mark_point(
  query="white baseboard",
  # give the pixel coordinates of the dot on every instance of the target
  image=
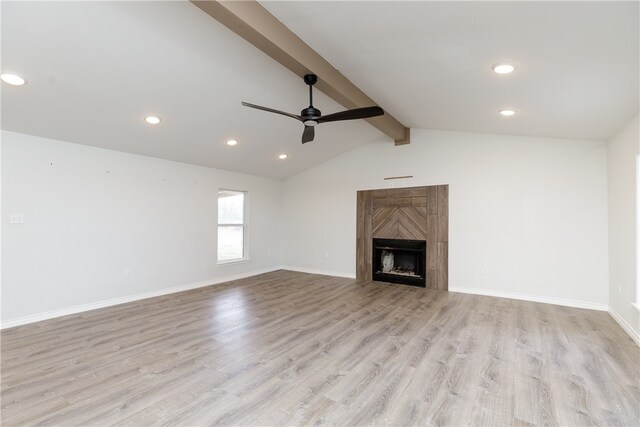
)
(533, 298)
(323, 272)
(121, 300)
(627, 328)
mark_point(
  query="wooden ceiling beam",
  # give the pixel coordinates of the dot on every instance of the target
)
(251, 21)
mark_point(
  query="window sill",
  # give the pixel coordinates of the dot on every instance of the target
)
(233, 262)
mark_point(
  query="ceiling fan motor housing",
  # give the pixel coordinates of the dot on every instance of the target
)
(310, 114)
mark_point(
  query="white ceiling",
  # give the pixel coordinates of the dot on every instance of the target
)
(95, 69)
(429, 63)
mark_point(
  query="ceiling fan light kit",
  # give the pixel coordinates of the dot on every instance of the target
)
(311, 116)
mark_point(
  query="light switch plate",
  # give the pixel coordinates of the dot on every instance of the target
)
(16, 218)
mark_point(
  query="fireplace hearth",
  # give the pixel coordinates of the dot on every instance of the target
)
(399, 261)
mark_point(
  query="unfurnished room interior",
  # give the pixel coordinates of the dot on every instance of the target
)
(339, 213)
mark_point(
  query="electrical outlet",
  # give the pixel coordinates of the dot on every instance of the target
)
(127, 273)
(485, 269)
(619, 289)
(16, 218)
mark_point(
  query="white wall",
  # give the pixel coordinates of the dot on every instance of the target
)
(532, 210)
(622, 153)
(91, 214)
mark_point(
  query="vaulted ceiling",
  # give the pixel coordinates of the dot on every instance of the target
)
(430, 62)
(95, 69)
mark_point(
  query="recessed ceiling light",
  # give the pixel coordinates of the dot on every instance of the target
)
(232, 142)
(282, 156)
(152, 120)
(504, 68)
(507, 112)
(12, 79)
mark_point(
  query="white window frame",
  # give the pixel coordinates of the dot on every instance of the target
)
(244, 225)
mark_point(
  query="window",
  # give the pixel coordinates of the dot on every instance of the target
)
(231, 225)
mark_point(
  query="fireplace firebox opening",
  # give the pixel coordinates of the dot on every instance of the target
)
(399, 261)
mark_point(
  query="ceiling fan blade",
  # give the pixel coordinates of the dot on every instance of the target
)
(356, 113)
(308, 134)
(271, 110)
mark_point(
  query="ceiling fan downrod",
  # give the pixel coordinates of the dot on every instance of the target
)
(310, 114)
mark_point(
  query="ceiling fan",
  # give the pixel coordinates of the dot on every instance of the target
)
(311, 116)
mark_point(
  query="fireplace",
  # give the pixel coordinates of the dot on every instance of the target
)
(399, 261)
(412, 213)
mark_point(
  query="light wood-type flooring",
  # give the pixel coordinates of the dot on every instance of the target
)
(288, 348)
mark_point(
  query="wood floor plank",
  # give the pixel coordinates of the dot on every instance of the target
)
(288, 348)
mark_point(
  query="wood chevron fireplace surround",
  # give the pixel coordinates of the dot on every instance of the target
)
(415, 213)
